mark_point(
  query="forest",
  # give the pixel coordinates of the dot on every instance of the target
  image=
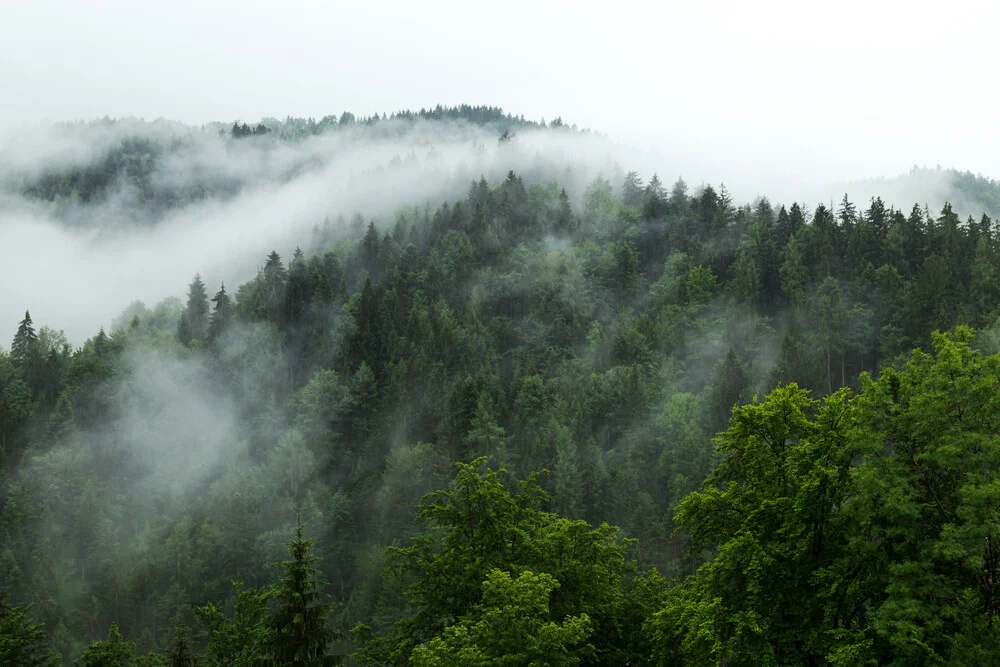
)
(645, 425)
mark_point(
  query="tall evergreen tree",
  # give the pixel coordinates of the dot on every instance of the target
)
(273, 288)
(301, 634)
(24, 350)
(632, 189)
(196, 311)
(222, 315)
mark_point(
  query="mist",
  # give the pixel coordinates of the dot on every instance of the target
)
(267, 194)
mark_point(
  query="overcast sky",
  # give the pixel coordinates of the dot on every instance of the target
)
(834, 90)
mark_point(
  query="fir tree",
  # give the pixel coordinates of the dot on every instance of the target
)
(196, 312)
(222, 315)
(184, 330)
(301, 635)
(25, 346)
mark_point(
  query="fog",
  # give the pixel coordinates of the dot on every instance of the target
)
(826, 91)
(775, 99)
(77, 264)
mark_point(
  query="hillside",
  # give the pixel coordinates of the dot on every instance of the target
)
(656, 426)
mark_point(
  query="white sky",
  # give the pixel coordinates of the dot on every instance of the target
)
(842, 89)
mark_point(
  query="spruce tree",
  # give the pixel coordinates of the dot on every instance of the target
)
(184, 330)
(25, 346)
(275, 277)
(222, 315)
(196, 312)
(301, 635)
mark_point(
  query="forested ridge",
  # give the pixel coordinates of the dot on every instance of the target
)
(655, 427)
(131, 161)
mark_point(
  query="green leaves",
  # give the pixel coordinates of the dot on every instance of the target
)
(22, 641)
(511, 626)
(854, 530)
(495, 580)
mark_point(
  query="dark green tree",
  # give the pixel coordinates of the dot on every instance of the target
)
(300, 631)
(181, 654)
(222, 315)
(196, 312)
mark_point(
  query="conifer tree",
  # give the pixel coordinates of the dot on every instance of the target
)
(632, 189)
(222, 315)
(196, 312)
(24, 349)
(275, 277)
(184, 330)
(301, 635)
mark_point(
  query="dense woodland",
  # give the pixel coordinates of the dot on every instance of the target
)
(656, 428)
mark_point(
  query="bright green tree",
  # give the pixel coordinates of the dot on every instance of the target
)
(22, 641)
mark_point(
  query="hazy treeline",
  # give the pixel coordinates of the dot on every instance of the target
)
(604, 336)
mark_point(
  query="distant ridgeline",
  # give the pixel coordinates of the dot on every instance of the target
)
(132, 160)
(967, 192)
(485, 116)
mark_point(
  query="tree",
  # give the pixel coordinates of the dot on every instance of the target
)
(927, 496)
(222, 315)
(632, 189)
(196, 312)
(15, 406)
(370, 252)
(273, 286)
(512, 626)
(567, 476)
(180, 654)
(245, 638)
(300, 634)
(22, 641)
(477, 526)
(775, 590)
(110, 652)
(654, 199)
(184, 333)
(24, 353)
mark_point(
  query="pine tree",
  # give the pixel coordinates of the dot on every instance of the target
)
(275, 277)
(184, 330)
(370, 251)
(24, 349)
(297, 294)
(564, 217)
(567, 477)
(655, 199)
(196, 312)
(632, 189)
(222, 315)
(301, 635)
